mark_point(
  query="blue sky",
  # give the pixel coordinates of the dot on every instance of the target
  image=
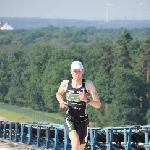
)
(77, 9)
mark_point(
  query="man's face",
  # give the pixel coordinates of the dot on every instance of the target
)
(77, 74)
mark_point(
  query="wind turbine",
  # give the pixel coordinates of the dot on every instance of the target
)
(107, 4)
(140, 4)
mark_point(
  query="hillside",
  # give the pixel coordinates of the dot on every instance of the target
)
(36, 23)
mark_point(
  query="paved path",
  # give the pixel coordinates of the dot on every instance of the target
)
(3, 119)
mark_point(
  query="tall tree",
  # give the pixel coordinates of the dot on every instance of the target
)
(38, 60)
(16, 86)
(127, 89)
(4, 76)
(121, 52)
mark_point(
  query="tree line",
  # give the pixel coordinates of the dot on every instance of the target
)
(31, 73)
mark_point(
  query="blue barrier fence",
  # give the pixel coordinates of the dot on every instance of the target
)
(54, 136)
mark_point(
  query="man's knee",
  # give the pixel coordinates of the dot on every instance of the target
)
(74, 141)
(82, 146)
(74, 138)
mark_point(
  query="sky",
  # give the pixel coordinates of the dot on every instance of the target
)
(77, 9)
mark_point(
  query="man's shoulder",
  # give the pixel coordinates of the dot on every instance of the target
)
(90, 85)
(88, 81)
(64, 83)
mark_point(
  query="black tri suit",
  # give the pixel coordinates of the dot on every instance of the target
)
(76, 118)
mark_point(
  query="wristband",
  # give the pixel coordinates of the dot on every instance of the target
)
(88, 100)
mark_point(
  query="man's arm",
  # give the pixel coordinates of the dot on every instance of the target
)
(59, 95)
(95, 101)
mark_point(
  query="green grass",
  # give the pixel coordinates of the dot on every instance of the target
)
(22, 114)
(55, 115)
(11, 113)
(18, 117)
(12, 116)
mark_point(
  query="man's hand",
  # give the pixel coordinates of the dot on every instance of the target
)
(82, 96)
(62, 104)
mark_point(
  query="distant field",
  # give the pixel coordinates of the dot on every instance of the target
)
(12, 116)
(21, 114)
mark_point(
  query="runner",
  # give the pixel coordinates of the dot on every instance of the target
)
(79, 93)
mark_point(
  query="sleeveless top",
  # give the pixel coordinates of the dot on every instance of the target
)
(76, 107)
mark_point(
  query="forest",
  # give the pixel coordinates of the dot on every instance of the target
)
(34, 63)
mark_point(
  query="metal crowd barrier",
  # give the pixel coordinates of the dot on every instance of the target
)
(53, 136)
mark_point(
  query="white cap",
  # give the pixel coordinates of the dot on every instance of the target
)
(76, 65)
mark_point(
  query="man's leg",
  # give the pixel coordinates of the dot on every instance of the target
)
(83, 134)
(74, 141)
(73, 136)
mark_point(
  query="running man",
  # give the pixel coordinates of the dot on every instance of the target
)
(79, 93)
